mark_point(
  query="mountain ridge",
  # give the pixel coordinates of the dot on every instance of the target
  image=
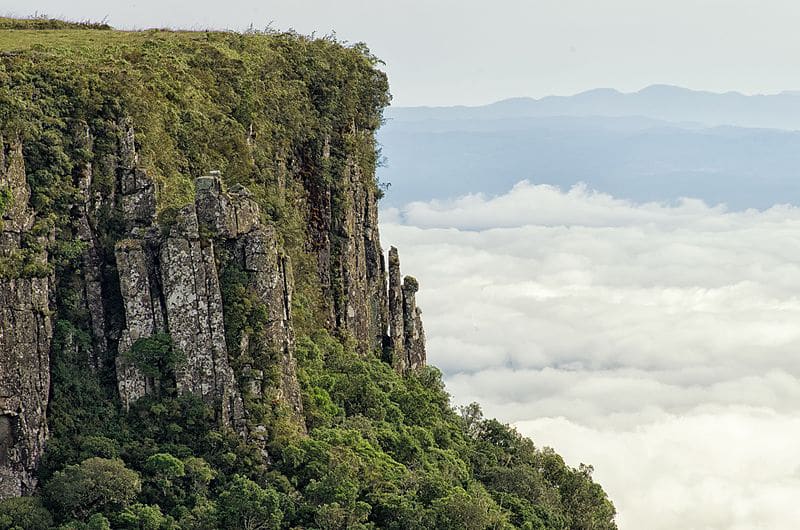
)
(664, 102)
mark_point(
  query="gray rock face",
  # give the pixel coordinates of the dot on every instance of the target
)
(137, 266)
(170, 283)
(414, 334)
(344, 235)
(119, 165)
(405, 319)
(137, 196)
(270, 280)
(25, 335)
(224, 214)
(193, 303)
(235, 221)
(363, 270)
(92, 263)
(396, 329)
(143, 314)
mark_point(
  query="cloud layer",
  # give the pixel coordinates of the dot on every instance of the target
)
(657, 342)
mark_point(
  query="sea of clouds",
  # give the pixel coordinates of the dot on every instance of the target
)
(658, 342)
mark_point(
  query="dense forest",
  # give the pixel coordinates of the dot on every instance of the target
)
(288, 122)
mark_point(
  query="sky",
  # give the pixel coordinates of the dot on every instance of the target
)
(657, 343)
(448, 52)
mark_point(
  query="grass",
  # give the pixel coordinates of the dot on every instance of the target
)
(57, 40)
(43, 22)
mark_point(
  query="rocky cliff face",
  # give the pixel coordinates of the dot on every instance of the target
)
(167, 279)
(406, 332)
(343, 233)
(25, 332)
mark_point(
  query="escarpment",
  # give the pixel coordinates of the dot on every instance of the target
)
(194, 299)
(199, 327)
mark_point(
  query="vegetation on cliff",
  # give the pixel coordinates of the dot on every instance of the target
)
(281, 114)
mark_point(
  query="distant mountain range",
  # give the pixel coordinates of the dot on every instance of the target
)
(661, 102)
(661, 143)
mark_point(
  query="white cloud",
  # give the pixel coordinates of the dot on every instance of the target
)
(657, 342)
(734, 468)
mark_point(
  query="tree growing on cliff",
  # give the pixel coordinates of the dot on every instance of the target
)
(247, 506)
(95, 485)
(24, 513)
(156, 357)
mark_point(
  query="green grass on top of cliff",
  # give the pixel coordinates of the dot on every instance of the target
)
(270, 110)
(64, 38)
(255, 105)
(42, 23)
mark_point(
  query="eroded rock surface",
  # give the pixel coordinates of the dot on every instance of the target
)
(25, 336)
(169, 281)
(405, 319)
(343, 233)
(193, 303)
(169, 284)
(143, 314)
(234, 219)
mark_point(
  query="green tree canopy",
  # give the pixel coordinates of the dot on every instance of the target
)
(95, 485)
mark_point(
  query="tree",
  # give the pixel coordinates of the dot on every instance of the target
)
(247, 506)
(155, 356)
(24, 513)
(462, 510)
(199, 475)
(96, 485)
(143, 517)
(96, 522)
(164, 470)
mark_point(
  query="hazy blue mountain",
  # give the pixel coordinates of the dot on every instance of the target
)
(441, 153)
(660, 143)
(663, 102)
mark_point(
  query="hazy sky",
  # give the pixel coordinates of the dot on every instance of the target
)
(446, 52)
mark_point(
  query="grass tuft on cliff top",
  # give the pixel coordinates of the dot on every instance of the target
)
(43, 23)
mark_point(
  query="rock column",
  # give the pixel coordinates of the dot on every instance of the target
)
(407, 336)
(25, 335)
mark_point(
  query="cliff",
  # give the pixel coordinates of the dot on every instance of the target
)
(168, 276)
(192, 286)
(165, 276)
